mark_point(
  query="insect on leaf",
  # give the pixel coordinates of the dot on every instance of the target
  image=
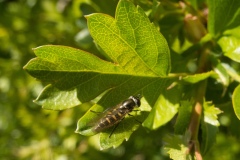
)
(139, 61)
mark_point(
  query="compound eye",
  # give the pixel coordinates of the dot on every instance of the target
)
(136, 100)
(138, 103)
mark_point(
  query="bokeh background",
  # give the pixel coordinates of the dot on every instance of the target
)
(29, 132)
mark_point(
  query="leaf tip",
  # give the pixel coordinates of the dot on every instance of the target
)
(87, 16)
(25, 67)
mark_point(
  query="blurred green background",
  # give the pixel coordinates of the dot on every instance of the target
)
(29, 132)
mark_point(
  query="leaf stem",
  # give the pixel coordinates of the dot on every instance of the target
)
(196, 117)
(198, 106)
(177, 74)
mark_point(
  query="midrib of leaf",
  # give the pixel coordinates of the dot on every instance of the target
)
(133, 49)
(71, 59)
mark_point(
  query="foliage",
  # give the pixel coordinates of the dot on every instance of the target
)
(188, 76)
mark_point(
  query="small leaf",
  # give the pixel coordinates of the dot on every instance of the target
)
(218, 68)
(177, 147)
(209, 125)
(197, 77)
(232, 72)
(236, 101)
(230, 44)
(210, 114)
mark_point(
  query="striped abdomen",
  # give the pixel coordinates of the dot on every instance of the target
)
(110, 119)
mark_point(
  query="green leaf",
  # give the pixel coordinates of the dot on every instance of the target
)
(131, 40)
(177, 147)
(55, 99)
(236, 101)
(209, 133)
(68, 68)
(232, 72)
(197, 77)
(184, 116)
(223, 15)
(139, 63)
(209, 125)
(218, 68)
(122, 131)
(165, 106)
(230, 44)
(210, 114)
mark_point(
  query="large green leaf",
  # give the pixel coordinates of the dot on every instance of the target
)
(139, 63)
(223, 15)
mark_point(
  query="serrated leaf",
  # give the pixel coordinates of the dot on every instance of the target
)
(131, 40)
(177, 147)
(210, 114)
(236, 101)
(223, 15)
(139, 60)
(209, 125)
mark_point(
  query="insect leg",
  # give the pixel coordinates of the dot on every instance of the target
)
(114, 128)
(136, 110)
(95, 112)
(135, 119)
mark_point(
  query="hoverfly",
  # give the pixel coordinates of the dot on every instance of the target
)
(114, 115)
